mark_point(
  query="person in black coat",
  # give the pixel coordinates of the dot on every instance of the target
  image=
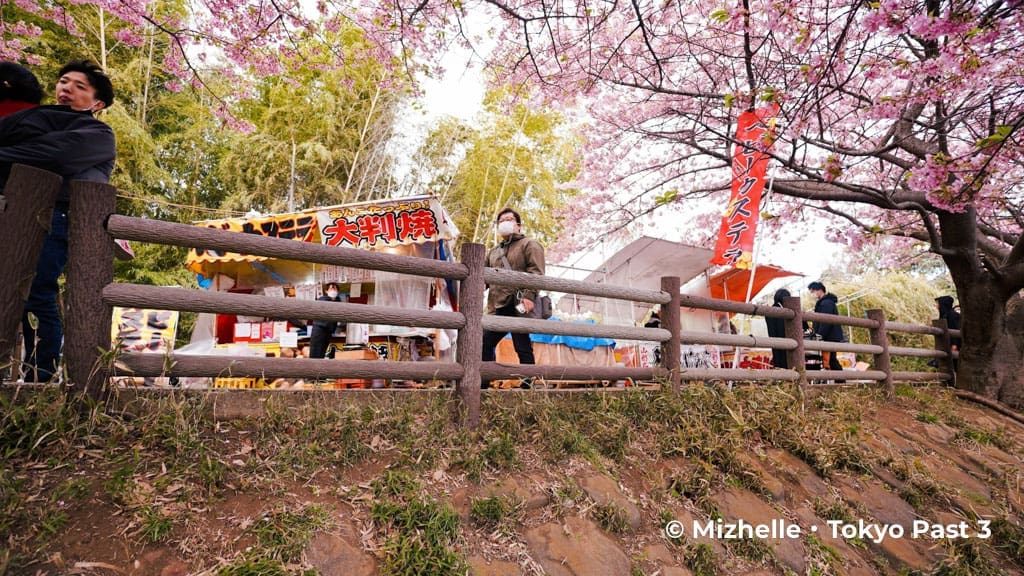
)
(827, 304)
(952, 317)
(67, 140)
(777, 329)
(320, 336)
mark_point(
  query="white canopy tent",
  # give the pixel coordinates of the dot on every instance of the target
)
(640, 264)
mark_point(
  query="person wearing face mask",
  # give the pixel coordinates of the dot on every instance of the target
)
(67, 140)
(523, 254)
(320, 336)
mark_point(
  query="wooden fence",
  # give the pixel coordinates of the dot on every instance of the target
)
(91, 294)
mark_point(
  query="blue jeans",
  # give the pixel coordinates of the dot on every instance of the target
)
(41, 357)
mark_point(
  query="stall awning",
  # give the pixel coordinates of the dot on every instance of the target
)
(373, 225)
(732, 284)
(643, 262)
(296, 226)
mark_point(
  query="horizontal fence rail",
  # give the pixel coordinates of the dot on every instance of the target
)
(737, 340)
(139, 296)
(535, 326)
(499, 371)
(188, 236)
(921, 376)
(705, 303)
(841, 320)
(187, 365)
(92, 293)
(499, 277)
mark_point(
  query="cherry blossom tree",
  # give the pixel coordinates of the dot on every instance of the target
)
(899, 117)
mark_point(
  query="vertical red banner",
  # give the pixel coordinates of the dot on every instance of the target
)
(735, 246)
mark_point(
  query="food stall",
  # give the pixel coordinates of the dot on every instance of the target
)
(415, 226)
(559, 350)
(641, 264)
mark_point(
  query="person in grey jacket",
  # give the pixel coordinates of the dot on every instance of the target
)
(67, 140)
(523, 254)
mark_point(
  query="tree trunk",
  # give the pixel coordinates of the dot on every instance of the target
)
(993, 342)
(991, 314)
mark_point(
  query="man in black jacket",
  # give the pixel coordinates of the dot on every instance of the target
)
(65, 139)
(827, 304)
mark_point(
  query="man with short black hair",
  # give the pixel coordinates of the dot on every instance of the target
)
(827, 303)
(82, 86)
(67, 140)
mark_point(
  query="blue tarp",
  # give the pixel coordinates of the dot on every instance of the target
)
(579, 342)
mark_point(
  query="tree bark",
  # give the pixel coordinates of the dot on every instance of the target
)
(994, 372)
(991, 314)
(992, 328)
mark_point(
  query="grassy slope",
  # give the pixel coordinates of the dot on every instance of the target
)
(99, 492)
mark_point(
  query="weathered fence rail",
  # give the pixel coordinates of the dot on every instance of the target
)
(92, 294)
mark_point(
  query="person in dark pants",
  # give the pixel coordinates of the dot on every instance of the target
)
(67, 140)
(320, 336)
(514, 252)
(777, 329)
(827, 303)
(952, 317)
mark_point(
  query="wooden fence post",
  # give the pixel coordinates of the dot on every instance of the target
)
(796, 358)
(471, 338)
(24, 223)
(945, 344)
(879, 337)
(671, 354)
(90, 269)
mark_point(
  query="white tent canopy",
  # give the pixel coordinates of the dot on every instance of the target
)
(640, 264)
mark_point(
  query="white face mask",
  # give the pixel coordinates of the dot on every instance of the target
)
(506, 228)
(91, 108)
(332, 293)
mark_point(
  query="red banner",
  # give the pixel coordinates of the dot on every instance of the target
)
(735, 245)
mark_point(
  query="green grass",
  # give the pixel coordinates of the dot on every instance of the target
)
(823, 559)
(979, 435)
(419, 532)
(156, 526)
(1008, 538)
(755, 550)
(390, 461)
(701, 560)
(611, 518)
(489, 512)
(283, 533)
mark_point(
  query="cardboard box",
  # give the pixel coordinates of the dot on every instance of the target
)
(361, 354)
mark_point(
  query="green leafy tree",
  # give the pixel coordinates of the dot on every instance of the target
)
(518, 157)
(319, 132)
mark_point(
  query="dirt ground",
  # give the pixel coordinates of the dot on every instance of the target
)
(159, 486)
